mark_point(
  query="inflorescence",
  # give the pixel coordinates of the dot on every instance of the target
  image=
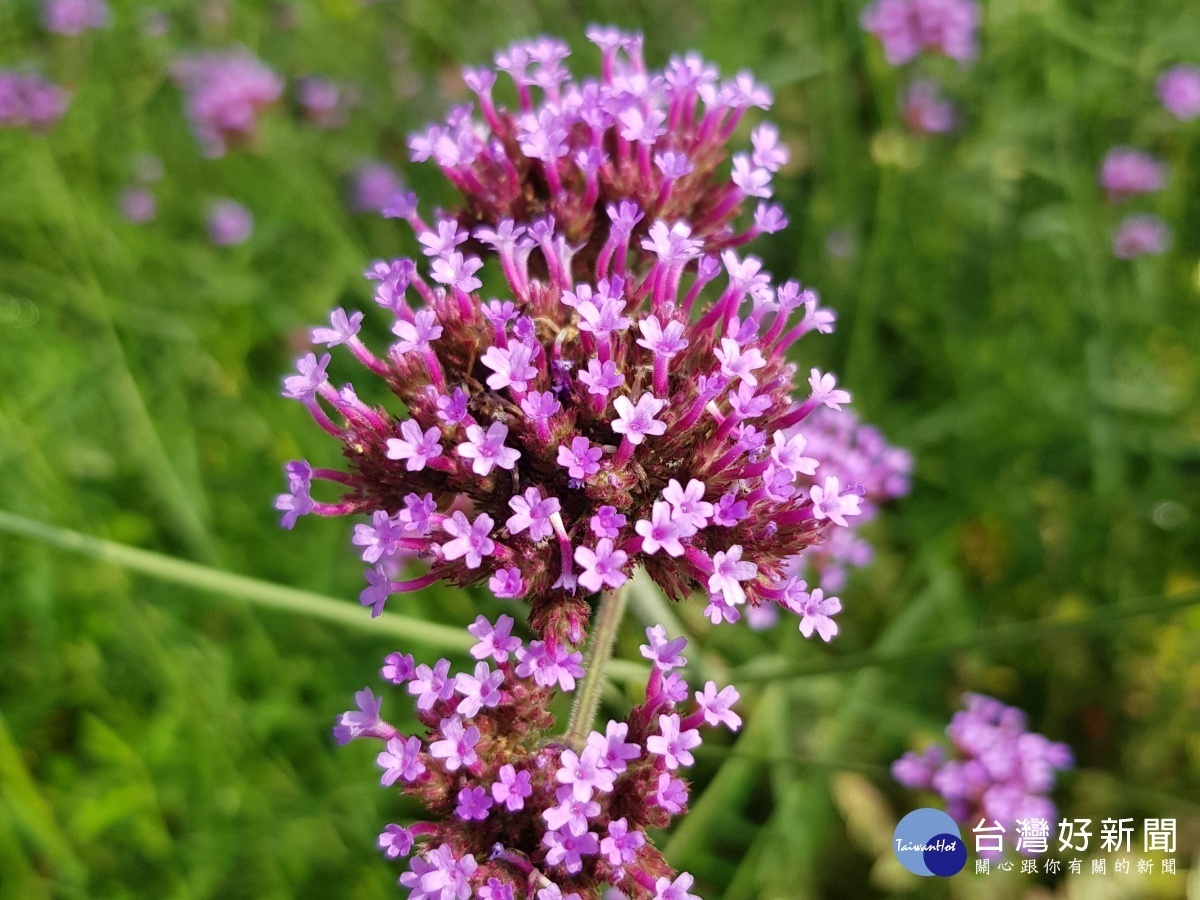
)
(996, 769)
(607, 410)
(514, 812)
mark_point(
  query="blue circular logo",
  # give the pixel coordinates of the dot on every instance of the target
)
(928, 842)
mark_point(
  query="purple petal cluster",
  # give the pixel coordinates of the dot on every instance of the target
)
(512, 810)
(30, 101)
(226, 92)
(72, 17)
(1179, 91)
(926, 109)
(229, 223)
(374, 187)
(1141, 235)
(1126, 172)
(627, 400)
(995, 768)
(908, 28)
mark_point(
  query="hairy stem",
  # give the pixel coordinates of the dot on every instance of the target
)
(587, 696)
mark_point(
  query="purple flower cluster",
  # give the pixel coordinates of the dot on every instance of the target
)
(72, 17)
(1179, 91)
(30, 101)
(374, 187)
(1141, 235)
(602, 413)
(229, 223)
(926, 110)
(996, 769)
(908, 28)
(225, 94)
(1126, 172)
(516, 813)
(324, 103)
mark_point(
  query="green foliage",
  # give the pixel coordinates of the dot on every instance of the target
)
(156, 746)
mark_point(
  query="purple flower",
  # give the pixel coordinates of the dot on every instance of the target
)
(1179, 91)
(457, 748)
(401, 759)
(661, 531)
(296, 502)
(352, 724)
(225, 94)
(395, 840)
(138, 205)
(671, 794)
(473, 804)
(1126, 172)
(1141, 236)
(414, 447)
(672, 744)
(342, 328)
(550, 665)
(689, 511)
(601, 566)
(621, 845)
(323, 102)
(229, 223)
(666, 889)
(635, 422)
(374, 185)
(431, 685)
(612, 747)
(72, 17)
(601, 379)
(495, 642)
(664, 654)
(717, 706)
(729, 571)
(581, 460)
(507, 583)
(829, 503)
(585, 773)
(488, 450)
(926, 110)
(470, 538)
(311, 377)
(511, 366)
(479, 690)
(906, 28)
(567, 849)
(417, 335)
(512, 787)
(398, 667)
(30, 101)
(532, 512)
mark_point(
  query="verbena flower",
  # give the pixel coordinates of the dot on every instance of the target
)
(229, 223)
(632, 366)
(926, 110)
(511, 810)
(907, 28)
(1126, 172)
(72, 17)
(374, 187)
(1179, 91)
(1141, 235)
(995, 768)
(226, 92)
(30, 101)
(323, 102)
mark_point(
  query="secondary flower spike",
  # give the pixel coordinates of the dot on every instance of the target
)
(510, 810)
(616, 395)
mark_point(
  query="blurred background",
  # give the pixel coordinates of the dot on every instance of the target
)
(161, 740)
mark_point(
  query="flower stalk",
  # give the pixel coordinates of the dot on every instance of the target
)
(604, 634)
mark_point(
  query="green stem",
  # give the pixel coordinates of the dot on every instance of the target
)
(587, 696)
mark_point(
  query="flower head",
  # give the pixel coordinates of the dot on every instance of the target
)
(225, 94)
(1179, 91)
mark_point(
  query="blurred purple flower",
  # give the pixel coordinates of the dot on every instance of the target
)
(30, 101)
(1179, 90)
(1126, 172)
(72, 17)
(225, 94)
(229, 223)
(374, 186)
(907, 28)
(1141, 235)
(138, 205)
(926, 109)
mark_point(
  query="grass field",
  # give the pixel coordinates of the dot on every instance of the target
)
(160, 740)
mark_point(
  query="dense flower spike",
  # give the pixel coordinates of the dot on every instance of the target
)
(996, 769)
(1141, 236)
(1179, 91)
(906, 28)
(30, 101)
(225, 94)
(601, 413)
(511, 810)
